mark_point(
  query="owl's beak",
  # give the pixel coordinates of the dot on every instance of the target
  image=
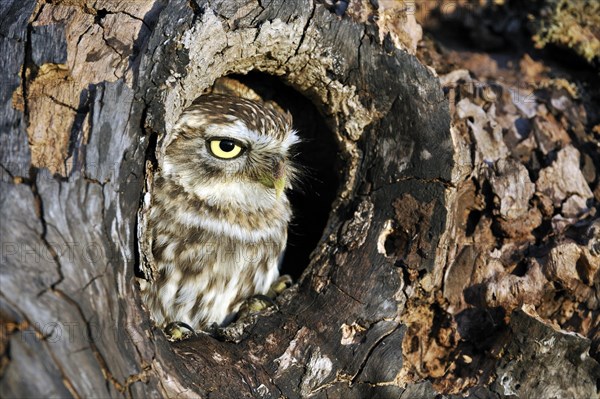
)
(276, 179)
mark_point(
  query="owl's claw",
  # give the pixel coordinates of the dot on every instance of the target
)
(281, 284)
(249, 310)
(178, 331)
(255, 304)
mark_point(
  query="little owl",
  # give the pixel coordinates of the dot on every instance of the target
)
(219, 214)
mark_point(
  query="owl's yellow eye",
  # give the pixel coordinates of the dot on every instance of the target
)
(225, 148)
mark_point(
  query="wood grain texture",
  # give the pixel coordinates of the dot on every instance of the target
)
(15, 154)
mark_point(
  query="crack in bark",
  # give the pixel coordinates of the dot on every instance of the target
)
(146, 367)
(13, 327)
(94, 279)
(139, 377)
(196, 9)
(62, 104)
(359, 54)
(136, 18)
(344, 292)
(108, 376)
(262, 9)
(27, 61)
(435, 180)
(43, 339)
(80, 39)
(94, 181)
(339, 378)
(54, 287)
(370, 352)
(5, 172)
(304, 32)
(39, 209)
(98, 21)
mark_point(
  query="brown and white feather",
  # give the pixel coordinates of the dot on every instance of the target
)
(218, 232)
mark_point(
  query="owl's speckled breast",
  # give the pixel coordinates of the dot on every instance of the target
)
(205, 270)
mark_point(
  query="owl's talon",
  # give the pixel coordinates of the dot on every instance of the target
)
(255, 304)
(178, 331)
(281, 284)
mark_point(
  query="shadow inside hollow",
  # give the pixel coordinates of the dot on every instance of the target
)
(319, 161)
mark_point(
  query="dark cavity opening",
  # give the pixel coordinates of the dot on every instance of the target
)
(318, 156)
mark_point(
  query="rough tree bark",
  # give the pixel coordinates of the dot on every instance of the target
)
(90, 89)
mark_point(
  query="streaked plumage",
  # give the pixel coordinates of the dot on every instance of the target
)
(219, 226)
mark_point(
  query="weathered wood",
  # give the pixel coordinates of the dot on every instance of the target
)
(384, 301)
(15, 155)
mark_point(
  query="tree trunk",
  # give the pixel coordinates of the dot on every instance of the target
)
(90, 90)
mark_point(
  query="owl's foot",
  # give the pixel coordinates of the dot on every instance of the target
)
(178, 331)
(249, 311)
(281, 284)
(245, 317)
(255, 304)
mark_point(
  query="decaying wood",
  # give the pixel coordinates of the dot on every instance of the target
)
(434, 269)
(522, 238)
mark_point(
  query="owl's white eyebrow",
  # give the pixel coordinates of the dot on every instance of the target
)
(237, 130)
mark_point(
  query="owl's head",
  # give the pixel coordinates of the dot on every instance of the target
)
(234, 150)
